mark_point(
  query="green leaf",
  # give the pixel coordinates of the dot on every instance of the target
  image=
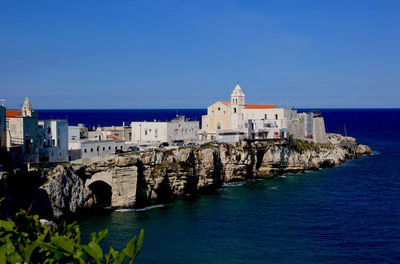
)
(94, 250)
(7, 225)
(28, 250)
(141, 237)
(9, 247)
(64, 243)
(14, 257)
(3, 254)
(102, 234)
(130, 248)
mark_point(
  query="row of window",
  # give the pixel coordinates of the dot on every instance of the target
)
(149, 131)
(98, 149)
(184, 131)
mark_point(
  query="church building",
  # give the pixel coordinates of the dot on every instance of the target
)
(236, 116)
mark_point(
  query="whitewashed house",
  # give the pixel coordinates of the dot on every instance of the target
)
(54, 140)
(178, 129)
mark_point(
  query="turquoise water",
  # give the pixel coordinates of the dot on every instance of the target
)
(345, 214)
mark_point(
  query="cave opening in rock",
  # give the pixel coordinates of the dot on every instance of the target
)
(102, 193)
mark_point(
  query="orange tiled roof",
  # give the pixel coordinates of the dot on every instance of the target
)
(13, 113)
(114, 138)
(258, 106)
(226, 102)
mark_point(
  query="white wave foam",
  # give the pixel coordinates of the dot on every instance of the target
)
(141, 209)
(233, 184)
(274, 187)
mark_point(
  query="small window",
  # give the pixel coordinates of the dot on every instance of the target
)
(218, 126)
(219, 108)
(109, 147)
(85, 150)
(234, 110)
(145, 132)
(276, 116)
(91, 149)
(265, 116)
(98, 148)
(104, 148)
(121, 147)
(115, 147)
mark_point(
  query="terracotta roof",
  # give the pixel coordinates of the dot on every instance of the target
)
(258, 106)
(13, 113)
(226, 102)
(114, 138)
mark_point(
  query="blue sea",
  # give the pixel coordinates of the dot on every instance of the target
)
(347, 214)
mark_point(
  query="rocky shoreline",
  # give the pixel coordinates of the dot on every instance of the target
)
(137, 179)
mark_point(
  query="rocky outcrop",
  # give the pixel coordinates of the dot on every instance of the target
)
(158, 176)
(66, 191)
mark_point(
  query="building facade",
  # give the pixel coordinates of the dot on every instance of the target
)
(178, 129)
(235, 115)
(234, 119)
(22, 131)
(85, 148)
(54, 140)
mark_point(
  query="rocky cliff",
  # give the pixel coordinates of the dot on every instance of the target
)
(135, 179)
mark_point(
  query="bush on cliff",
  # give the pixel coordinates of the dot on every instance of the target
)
(24, 240)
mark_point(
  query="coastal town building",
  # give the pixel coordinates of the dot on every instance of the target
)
(54, 140)
(178, 129)
(121, 132)
(76, 133)
(234, 120)
(22, 132)
(86, 148)
(81, 145)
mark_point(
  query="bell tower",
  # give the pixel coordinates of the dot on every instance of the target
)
(27, 108)
(236, 105)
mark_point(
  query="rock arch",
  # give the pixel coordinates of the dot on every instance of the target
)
(101, 186)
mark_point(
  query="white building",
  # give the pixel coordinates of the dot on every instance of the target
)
(81, 149)
(178, 129)
(121, 132)
(22, 132)
(54, 140)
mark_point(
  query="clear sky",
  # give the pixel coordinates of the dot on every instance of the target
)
(189, 54)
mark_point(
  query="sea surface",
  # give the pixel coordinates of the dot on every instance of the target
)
(347, 214)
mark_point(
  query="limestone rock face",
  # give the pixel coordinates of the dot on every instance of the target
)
(67, 191)
(363, 149)
(142, 177)
(124, 180)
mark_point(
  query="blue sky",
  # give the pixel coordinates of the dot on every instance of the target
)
(189, 54)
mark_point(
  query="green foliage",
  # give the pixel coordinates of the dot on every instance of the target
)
(24, 240)
(300, 145)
